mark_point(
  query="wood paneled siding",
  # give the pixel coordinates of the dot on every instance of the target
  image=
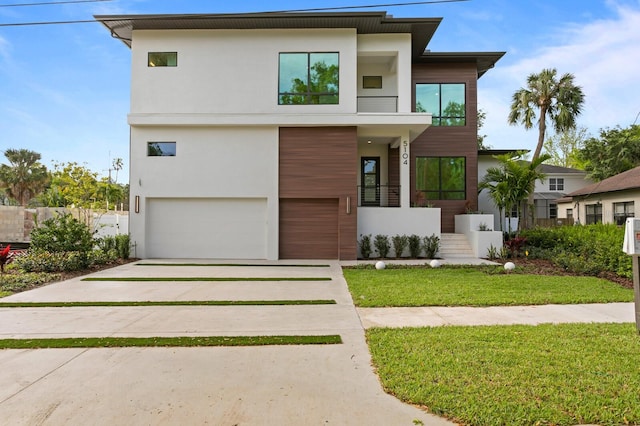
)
(450, 141)
(322, 163)
(394, 166)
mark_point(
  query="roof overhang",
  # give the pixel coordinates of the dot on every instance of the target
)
(421, 29)
(484, 60)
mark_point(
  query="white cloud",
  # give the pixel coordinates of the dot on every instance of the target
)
(603, 57)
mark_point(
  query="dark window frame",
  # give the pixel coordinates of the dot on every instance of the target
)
(308, 95)
(594, 216)
(437, 119)
(167, 63)
(620, 219)
(556, 184)
(440, 193)
(154, 149)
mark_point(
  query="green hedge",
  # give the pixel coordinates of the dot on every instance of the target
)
(589, 249)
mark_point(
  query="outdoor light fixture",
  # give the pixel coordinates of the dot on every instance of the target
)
(137, 206)
(348, 205)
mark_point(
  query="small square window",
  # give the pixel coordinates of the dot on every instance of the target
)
(372, 82)
(162, 59)
(161, 149)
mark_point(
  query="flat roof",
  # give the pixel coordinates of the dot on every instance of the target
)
(421, 29)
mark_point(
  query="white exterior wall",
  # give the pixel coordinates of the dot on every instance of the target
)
(233, 163)
(232, 71)
(389, 44)
(606, 199)
(572, 182)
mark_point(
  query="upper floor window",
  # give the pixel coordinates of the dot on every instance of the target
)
(556, 184)
(441, 178)
(621, 211)
(162, 59)
(308, 78)
(446, 103)
(161, 149)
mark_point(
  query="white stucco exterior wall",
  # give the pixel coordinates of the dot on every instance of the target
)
(232, 71)
(216, 163)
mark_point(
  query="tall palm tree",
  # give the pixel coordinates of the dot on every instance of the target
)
(25, 177)
(545, 98)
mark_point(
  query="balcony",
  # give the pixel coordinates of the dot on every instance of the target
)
(377, 104)
(379, 196)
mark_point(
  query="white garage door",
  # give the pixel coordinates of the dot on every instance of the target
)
(215, 228)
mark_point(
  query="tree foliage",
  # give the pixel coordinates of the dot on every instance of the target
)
(563, 147)
(547, 98)
(615, 151)
(512, 181)
(24, 177)
(482, 116)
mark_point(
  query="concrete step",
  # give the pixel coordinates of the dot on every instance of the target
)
(454, 245)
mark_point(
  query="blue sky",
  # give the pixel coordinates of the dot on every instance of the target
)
(64, 89)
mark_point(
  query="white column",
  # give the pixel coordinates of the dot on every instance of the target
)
(405, 167)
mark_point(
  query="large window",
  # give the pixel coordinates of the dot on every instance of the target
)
(308, 78)
(556, 184)
(161, 149)
(446, 103)
(441, 178)
(594, 213)
(621, 211)
(162, 59)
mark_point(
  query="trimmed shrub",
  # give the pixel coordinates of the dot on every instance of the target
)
(365, 246)
(381, 242)
(400, 243)
(61, 234)
(123, 246)
(415, 246)
(431, 245)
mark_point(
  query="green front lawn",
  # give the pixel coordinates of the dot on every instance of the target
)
(564, 374)
(475, 287)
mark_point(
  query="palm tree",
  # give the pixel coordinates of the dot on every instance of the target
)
(512, 181)
(25, 177)
(547, 98)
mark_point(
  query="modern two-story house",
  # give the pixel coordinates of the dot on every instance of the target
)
(288, 135)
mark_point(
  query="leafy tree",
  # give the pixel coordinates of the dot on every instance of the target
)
(24, 177)
(117, 165)
(615, 151)
(482, 116)
(512, 181)
(75, 185)
(563, 147)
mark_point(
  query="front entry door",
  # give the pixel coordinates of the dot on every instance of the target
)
(370, 181)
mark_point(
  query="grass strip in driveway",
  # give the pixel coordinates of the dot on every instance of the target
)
(183, 341)
(234, 264)
(168, 303)
(133, 279)
(473, 286)
(563, 374)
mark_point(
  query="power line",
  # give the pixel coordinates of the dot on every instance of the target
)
(200, 16)
(51, 2)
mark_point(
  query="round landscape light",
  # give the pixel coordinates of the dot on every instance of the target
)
(380, 265)
(509, 266)
(435, 263)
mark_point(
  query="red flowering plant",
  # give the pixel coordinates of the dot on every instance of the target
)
(5, 257)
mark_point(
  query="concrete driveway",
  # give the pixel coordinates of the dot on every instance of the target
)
(271, 385)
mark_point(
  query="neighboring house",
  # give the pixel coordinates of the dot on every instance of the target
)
(558, 183)
(611, 200)
(288, 135)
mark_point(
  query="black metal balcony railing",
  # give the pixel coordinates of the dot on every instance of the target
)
(377, 104)
(379, 196)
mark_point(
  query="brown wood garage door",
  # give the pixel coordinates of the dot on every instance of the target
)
(309, 228)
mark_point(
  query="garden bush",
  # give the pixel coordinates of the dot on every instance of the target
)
(415, 246)
(365, 246)
(62, 233)
(431, 245)
(400, 243)
(381, 242)
(123, 246)
(589, 249)
(45, 261)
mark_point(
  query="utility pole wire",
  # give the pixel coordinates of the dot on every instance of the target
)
(200, 16)
(51, 2)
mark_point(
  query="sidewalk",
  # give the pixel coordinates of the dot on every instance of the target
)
(496, 315)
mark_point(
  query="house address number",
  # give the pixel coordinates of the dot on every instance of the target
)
(405, 154)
